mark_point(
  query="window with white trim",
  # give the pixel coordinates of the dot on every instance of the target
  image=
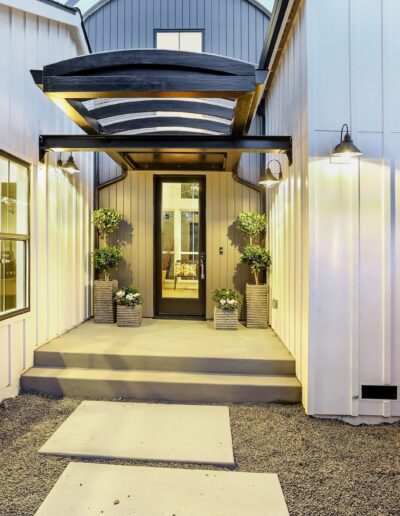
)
(14, 236)
(190, 41)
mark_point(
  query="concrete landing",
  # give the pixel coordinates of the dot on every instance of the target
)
(168, 345)
(156, 432)
(127, 490)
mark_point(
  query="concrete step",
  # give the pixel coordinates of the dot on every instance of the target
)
(275, 364)
(162, 385)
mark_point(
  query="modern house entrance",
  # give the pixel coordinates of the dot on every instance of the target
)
(180, 250)
(154, 114)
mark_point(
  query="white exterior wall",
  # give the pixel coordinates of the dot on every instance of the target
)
(351, 48)
(287, 206)
(60, 204)
(354, 77)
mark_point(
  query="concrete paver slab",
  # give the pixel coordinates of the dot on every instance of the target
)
(146, 491)
(112, 430)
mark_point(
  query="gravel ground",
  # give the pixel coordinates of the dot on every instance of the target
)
(326, 467)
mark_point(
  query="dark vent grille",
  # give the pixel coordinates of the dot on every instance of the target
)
(379, 392)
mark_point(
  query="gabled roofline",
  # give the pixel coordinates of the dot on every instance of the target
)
(260, 7)
(279, 29)
(74, 10)
(53, 10)
(99, 4)
(57, 4)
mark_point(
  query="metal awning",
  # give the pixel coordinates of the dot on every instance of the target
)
(158, 94)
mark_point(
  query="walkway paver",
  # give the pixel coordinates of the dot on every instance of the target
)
(158, 432)
(145, 491)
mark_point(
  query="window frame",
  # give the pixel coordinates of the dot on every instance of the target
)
(201, 31)
(21, 238)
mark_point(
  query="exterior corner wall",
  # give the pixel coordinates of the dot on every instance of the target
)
(354, 317)
(60, 208)
(287, 204)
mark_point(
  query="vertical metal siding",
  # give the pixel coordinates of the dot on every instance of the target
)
(354, 280)
(287, 205)
(60, 205)
(233, 28)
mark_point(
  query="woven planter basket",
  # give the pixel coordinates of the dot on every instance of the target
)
(257, 306)
(226, 319)
(129, 315)
(103, 300)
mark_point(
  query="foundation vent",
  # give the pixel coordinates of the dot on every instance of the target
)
(379, 392)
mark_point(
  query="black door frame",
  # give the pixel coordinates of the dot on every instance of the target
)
(176, 307)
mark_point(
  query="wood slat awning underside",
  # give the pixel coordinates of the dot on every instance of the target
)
(158, 95)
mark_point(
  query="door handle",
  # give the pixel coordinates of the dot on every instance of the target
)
(203, 266)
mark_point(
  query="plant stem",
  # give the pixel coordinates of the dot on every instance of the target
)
(256, 277)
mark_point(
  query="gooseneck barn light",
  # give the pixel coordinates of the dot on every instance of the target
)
(70, 166)
(267, 178)
(346, 147)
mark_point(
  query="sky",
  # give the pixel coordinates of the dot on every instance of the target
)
(269, 4)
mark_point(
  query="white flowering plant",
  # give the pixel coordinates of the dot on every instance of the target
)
(227, 298)
(128, 296)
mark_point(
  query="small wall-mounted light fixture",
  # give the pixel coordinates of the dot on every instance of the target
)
(267, 178)
(346, 147)
(60, 163)
(70, 167)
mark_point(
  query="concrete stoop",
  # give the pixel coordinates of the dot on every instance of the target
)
(160, 385)
(170, 361)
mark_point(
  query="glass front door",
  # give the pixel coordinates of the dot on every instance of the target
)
(180, 254)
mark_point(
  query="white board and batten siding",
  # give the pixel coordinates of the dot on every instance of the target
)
(350, 52)
(287, 206)
(60, 204)
(355, 249)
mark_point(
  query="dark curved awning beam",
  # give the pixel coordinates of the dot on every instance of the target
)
(145, 123)
(151, 59)
(146, 106)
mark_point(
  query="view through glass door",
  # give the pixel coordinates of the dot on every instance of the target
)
(180, 253)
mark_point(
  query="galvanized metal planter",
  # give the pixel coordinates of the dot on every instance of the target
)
(257, 306)
(226, 319)
(103, 301)
(129, 315)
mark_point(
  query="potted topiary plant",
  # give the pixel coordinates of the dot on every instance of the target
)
(129, 307)
(106, 221)
(226, 314)
(258, 259)
(105, 260)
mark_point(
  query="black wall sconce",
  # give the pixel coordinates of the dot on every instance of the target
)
(70, 167)
(267, 178)
(346, 147)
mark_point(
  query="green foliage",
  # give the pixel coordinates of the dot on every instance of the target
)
(257, 258)
(106, 220)
(226, 298)
(251, 224)
(129, 296)
(104, 260)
